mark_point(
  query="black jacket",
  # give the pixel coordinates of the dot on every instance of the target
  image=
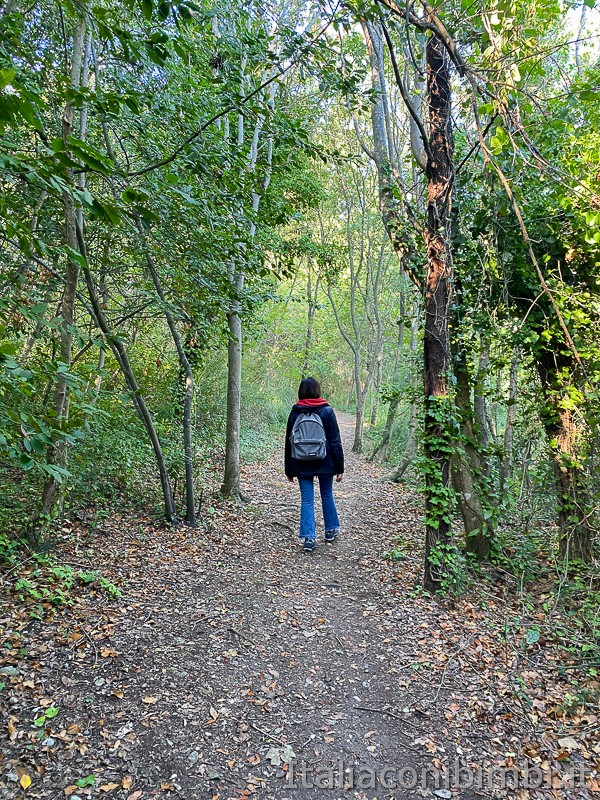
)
(333, 463)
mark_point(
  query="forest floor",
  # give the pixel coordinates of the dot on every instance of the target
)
(234, 665)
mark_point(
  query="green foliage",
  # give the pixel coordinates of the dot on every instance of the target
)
(53, 584)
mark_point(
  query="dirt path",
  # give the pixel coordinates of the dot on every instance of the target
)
(233, 654)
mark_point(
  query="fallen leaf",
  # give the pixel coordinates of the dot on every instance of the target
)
(25, 780)
(569, 743)
(149, 701)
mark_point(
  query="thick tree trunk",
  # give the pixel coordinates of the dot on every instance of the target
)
(437, 436)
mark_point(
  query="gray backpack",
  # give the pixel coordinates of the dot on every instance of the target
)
(308, 439)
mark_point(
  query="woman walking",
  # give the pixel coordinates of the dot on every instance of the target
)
(313, 447)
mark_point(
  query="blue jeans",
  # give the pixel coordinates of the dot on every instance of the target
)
(308, 528)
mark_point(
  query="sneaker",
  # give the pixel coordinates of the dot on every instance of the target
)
(308, 545)
(331, 536)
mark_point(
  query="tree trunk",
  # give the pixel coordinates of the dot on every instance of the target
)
(565, 437)
(506, 464)
(376, 389)
(58, 452)
(116, 346)
(411, 439)
(188, 398)
(312, 307)
(468, 465)
(231, 476)
(437, 433)
(357, 445)
(480, 409)
(381, 452)
(387, 185)
(409, 448)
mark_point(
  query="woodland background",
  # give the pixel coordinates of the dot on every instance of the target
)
(201, 203)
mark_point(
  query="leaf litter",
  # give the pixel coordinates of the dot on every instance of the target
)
(231, 655)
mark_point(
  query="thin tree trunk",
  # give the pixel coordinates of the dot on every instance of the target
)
(357, 445)
(411, 439)
(312, 307)
(120, 354)
(376, 389)
(506, 464)
(409, 448)
(58, 452)
(480, 407)
(468, 465)
(231, 476)
(188, 399)
(381, 452)
(437, 305)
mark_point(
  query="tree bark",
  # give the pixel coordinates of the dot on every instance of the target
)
(437, 447)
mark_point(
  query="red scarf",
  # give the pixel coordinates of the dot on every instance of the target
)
(312, 402)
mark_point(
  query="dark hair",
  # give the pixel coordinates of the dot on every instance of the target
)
(309, 388)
